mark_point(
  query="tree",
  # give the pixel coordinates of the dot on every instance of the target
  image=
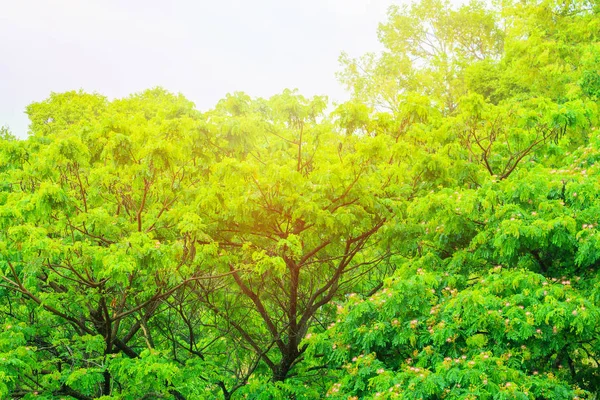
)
(293, 209)
(495, 298)
(500, 303)
(92, 242)
(428, 46)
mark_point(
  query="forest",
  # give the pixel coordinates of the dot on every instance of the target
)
(434, 237)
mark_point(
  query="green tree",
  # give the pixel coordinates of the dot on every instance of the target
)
(294, 209)
(92, 239)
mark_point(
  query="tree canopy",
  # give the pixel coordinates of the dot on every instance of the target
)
(434, 237)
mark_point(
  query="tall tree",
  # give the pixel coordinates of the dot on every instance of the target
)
(91, 240)
(293, 209)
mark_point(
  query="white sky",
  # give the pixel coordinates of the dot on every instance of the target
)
(203, 49)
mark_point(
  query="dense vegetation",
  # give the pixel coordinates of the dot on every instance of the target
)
(436, 237)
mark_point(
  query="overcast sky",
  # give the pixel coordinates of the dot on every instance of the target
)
(201, 48)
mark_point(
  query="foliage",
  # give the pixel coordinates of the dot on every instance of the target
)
(509, 334)
(434, 237)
